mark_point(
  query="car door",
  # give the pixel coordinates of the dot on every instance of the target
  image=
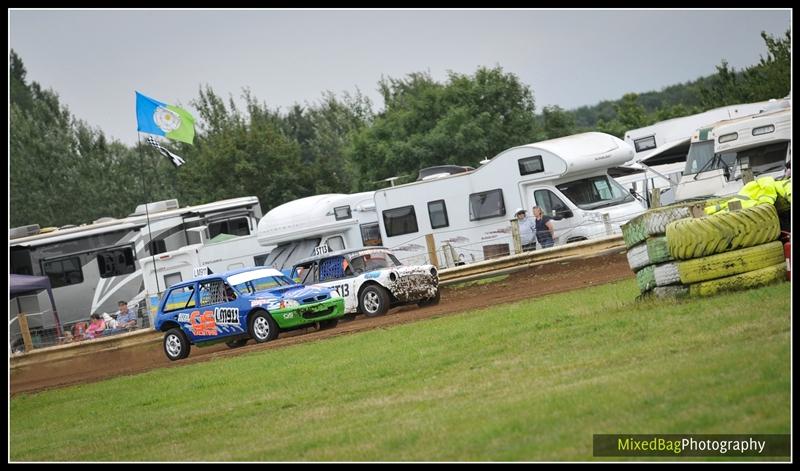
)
(219, 313)
(335, 272)
(179, 304)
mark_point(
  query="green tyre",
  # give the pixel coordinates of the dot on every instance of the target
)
(751, 279)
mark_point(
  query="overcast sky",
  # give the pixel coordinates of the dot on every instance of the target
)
(96, 59)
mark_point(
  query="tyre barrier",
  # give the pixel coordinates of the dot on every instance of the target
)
(730, 263)
(750, 279)
(653, 250)
(646, 278)
(666, 274)
(638, 257)
(653, 222)
(699, 237)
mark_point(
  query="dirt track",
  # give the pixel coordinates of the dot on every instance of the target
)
(537, 281)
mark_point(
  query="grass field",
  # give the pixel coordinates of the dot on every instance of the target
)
(526, 381)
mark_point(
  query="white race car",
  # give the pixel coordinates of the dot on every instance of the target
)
(371, 280)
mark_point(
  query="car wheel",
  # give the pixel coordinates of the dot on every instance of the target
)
(373, 301)
(328, 324)
(430, 301)
(263, 327)
(176, 345)
(236, 343)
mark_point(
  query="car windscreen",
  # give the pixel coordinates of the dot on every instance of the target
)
(595, 192)
(373, 261)
(263, 283)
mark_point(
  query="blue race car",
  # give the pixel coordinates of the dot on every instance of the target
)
(239, 305)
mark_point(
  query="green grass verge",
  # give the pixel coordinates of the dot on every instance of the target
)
(526, 381)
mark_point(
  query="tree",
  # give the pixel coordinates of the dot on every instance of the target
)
(556, 123)
(770, 78)
(426, 123)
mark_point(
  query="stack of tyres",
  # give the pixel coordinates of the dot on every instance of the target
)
(723, 252)
(645, 239)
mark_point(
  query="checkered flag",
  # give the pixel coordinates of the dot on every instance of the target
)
(176, 161)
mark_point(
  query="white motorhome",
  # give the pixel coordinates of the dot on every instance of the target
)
(720, 152)
(92, 267)
(334, 221)
(471, 211)
(660, 149)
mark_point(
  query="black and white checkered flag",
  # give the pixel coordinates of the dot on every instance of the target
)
(176, 160)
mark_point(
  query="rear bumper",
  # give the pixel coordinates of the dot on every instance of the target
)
(308, 313)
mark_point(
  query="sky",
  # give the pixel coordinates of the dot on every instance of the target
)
(96, 59)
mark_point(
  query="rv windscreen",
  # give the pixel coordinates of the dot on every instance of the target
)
(595, 192)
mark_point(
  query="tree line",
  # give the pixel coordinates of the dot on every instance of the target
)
(65, 171)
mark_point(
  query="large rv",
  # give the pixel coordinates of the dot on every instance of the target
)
(93, 266)
(333, 221)
(660, 150)
(471, 211)
(720, 152)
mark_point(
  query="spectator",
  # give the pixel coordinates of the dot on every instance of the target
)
(125, 318)
(544, 228)
(79, 331)
(96, 327)
(527, 230)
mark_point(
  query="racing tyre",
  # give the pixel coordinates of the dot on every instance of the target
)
(176, 345)
(730, 263)
(430, 301)
(263, 327)
(373, 301)
(328, 324)
(236, 343)
(750, 279)
(722, 232)
(638, 257)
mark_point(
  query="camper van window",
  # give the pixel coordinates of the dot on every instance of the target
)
(371, 234)
(335, 243)
(155, 247)
(342, 212)
(172, 279)
(236, 227)
(645, 143)
(437, 212)
(399, 221)
(64, 272)
(21, 261)
(116, 262)
(699, 157)
(595, 192)
(530, 165)
(259, 260)
(486, 204)
(550, 203)
(180, 298)
(765, 159)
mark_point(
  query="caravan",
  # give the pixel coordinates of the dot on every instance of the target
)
(721, 153)
(660, 150)
(470, 211)
(93, 266)
(332, 221)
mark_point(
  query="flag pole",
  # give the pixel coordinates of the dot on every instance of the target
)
(147, 212)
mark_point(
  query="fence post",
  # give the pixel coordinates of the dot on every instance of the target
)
(432, 250)
(26, 333)
(448, 254)
(655, 198)
(607, 223)
(515, 236)
(747, 175)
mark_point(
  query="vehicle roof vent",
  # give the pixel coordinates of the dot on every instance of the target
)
(441, 171)
(156, 207)
(23, 231)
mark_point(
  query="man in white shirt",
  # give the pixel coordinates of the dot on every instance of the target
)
(527, 230)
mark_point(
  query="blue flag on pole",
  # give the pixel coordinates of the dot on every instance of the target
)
(161, 119)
